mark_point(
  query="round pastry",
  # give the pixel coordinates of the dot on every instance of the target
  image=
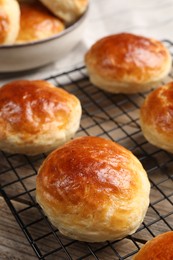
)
(36, 117)
(156, 117)
(68, 10)
(159, 248)
(9, 21)
(93, 189)
(37, 23)
(127, 63)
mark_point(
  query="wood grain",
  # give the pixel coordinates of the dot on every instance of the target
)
(13, 244)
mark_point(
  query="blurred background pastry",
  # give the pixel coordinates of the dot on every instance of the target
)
(156, 117)
(9, 21)
(93, 189)
(127, 63)
(159, 248)
(37, 22)
(36, 117)
(69, 10)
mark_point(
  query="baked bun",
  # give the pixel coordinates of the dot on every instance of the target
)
(93, 189)
(156, 117)
(36, 117)
(37, 23)
(9, 21)
(68, 10)
(127, 63)
(159, 248)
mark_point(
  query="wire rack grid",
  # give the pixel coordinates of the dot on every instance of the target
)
(115, 117)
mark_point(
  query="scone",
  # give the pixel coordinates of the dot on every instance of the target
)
(159, 248)
(127, 63)
(9, 21)
(37, 23)
(93, 189)
(36, 117)
(156, 117)
(68, 10)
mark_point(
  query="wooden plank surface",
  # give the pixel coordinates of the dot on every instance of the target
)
(13, 244)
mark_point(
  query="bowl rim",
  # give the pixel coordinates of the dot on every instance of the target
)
(54, 37)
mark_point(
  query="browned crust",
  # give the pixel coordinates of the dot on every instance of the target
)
(126, 57)
(37, 23)
(26, 107)
(157, 110)
(159, 248)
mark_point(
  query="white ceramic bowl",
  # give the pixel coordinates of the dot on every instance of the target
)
(20, 57)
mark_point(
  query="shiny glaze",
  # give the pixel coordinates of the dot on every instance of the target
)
(159, 248)
(158, 109)
(125, 55)
(4, 24)
(29, 106)
(88, 170)
(37, 23)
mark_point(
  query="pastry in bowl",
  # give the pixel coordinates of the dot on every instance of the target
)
(156, 117)
(159, 248)
(93, 189)
(127, 63)
(36, 117)
(37, 22)
(9, 21)
(42, 40)
(69, 10)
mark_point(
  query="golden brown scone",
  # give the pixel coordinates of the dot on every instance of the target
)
(36, 117)
(9, 21)
(93, 189)
(156, 117)
(127, 63)
(37, 23)
(159, 248)
(68, 10)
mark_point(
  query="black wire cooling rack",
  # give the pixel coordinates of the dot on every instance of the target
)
(111, 116)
